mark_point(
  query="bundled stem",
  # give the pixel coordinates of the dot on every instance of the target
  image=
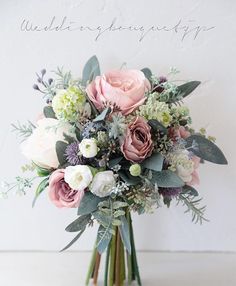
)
(116, 261)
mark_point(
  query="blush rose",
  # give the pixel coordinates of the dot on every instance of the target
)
(122, 88)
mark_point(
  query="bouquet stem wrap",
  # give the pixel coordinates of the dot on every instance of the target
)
(119, 264)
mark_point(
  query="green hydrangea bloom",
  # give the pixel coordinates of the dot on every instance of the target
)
(154, 109)
(69, 103)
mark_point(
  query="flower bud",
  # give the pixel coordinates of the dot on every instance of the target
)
(135, 170)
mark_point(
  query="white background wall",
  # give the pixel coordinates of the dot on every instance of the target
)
(209, 58)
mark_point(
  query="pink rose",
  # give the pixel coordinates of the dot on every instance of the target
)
(123, 88)
(137, 144)
(60, 193)
(183, 133)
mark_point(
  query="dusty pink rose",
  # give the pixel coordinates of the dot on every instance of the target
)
(60, 193)
(195, 178)
(137, 144)
(123, 88)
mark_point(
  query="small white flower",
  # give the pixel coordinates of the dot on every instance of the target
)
(88, 148)
(102, 183)
(78, 177)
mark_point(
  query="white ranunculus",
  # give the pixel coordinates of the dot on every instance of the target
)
(184, 173)
(102, 183)
(78, 177)
(40, 146)
(88, 148)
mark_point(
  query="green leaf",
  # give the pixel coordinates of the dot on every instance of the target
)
(157, 126)
(188, 87)
(155, 162)
(103, 238)
(69, 139)
(205, 149)
(128, 179)
(89, 203)
(42, 172)
(118, 205)
(103, 218)
(91, 70)
(41, 187)
(73, 240)
(79, 224)
(49, 112)
(102, 115)
(119, 213)
(60, 150)
(189, 190)
(148, 73)
(113, 162)
(124, 233)
(166, 179)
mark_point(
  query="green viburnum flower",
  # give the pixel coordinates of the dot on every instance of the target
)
(135, 170)
(69, 103)
(154, 109)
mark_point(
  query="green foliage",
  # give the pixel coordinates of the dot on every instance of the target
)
(128, 179)
(69, 139)
(73, 240)
(41, 187)
(187, 88)
(63, 78)
(42, 172)
(148, 73)
(113, 162)
(89, 203)
(23, 130)
(155, 162)
(205, 149)
(48, 112)
(91, 70)
(103, 239)
(193, 207)
(166, 179)
(102, 115)
(124, 233)
(157, 126)
(189, 190)
(79, 224)
(60, 150)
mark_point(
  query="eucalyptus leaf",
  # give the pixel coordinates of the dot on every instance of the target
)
(189, 190)
(91, 70)
(157, 126)
(69, 139)
(102, 115)
(128, 179)
(187, 88)
(125, 234)
(205, 149)
(60, 150)
(155, 162)
(113, 162)
(166, 179)
(79, 224)
(49, 112)
(89, 203)
(103, 239)
(148, 73)
(41, 187)
(73, 240)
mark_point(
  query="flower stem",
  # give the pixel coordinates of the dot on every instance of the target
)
(91, 266)
(112, 260)
(122, 264)
(96, 268)
(118, 254)
(107, 264)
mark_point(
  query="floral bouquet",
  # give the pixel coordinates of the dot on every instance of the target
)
(113, 144)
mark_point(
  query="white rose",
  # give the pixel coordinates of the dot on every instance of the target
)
(88, 148)
(184, 173)
(40, 147)
(102, 183)
(78, 177)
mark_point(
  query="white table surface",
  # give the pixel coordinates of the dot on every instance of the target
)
(157, 269)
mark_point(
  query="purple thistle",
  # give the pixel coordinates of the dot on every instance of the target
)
(72, 154)
(169, 192)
